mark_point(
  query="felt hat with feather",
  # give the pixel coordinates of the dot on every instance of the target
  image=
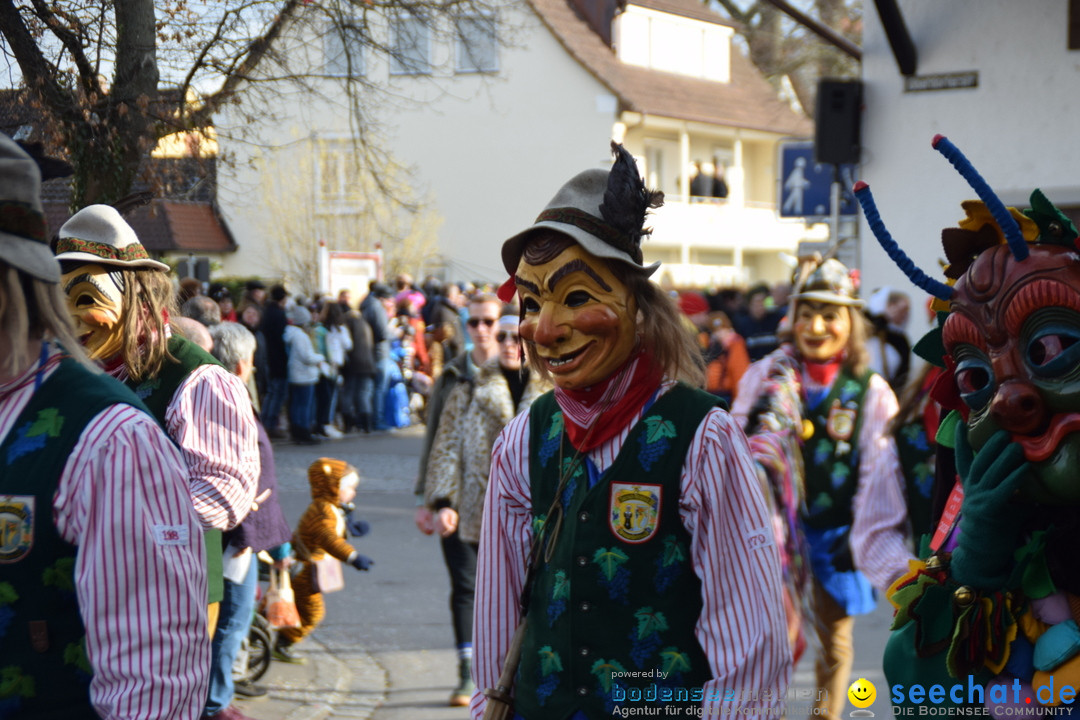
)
(603, 210)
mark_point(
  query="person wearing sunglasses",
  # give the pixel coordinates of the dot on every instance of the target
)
(623, 511)
(478, 392)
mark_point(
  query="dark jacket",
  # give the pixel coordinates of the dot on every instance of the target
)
(266, 527)
(447, 318)
(273, 330)
(373, 312)
(361, 359)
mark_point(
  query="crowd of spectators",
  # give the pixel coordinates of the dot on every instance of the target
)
(330, 365)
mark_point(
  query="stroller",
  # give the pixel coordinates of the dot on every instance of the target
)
(253, 660)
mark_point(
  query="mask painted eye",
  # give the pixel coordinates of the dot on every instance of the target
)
(975, 379)
(84, 300)
(578, 298)
(1055, 352)
(530, 305)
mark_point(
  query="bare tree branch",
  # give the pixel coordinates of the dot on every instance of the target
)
(71, 42)
(255, 53)
(38, 73)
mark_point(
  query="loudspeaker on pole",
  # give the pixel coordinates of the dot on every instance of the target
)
(837, 120)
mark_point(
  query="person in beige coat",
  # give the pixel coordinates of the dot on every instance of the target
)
(460, 461)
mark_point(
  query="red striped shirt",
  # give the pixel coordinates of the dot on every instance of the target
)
(210, 417)
(122, 496)
(742, 625)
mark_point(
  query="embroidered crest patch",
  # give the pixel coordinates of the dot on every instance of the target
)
(841, 422)
(634, 511)
(16, 527)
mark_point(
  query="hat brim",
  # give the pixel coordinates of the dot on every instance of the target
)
(88, 259)
(513, 248)
(30, 256)
(828, 297)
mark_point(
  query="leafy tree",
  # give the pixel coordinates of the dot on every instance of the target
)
(115, 76)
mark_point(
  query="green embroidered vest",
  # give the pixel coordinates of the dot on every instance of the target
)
(157, 393)
(831, 455)
(46, 673)
(831, 459)
(612, 612)
(916, 452)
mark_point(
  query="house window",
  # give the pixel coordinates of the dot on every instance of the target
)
(338, 177)
(343, 50)
(476, 45)
(410, 46)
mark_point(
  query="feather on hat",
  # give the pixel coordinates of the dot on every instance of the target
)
(604, 211)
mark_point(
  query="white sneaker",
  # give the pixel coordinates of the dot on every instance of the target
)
(332, 432)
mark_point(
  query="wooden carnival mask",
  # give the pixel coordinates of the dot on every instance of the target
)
(95, 301)
(1012, 337)
(577, 317)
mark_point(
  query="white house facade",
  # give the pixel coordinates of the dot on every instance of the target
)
(1001, 80)
(493, 129)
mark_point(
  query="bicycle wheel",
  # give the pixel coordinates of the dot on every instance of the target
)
(259, 644)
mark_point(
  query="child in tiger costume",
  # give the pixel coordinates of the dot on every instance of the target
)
(321, 532)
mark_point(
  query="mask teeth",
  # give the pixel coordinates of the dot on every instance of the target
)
(1002, 216)
(921, 280)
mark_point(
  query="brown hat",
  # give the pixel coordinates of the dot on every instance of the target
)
(604, 211)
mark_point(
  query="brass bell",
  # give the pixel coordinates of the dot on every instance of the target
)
(935, 562)
(964, 596)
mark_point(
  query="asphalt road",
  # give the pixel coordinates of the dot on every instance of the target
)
(398, 613)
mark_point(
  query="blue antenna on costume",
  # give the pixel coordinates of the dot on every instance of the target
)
(921, 280)
(1002, 216)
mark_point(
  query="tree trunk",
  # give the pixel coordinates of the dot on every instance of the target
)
(120, 129)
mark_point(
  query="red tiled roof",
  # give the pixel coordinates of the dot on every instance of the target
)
(747, 101)
(166, 226)
(196, 227)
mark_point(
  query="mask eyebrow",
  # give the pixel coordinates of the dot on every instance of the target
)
(573, 266)
(83, 277)
(531, 287)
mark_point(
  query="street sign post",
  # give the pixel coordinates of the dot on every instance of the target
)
(806, 186)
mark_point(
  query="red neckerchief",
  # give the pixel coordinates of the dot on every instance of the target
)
(824, 373)
(596, 414)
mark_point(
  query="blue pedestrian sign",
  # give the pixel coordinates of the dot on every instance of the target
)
(806, 186)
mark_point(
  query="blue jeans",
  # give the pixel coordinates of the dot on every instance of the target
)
(326, 398)
(356, 398)
(276, 391)
(384, 369)
(233, 623)
(301, 410)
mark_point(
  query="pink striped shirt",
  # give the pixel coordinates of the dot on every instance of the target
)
(742, 626)
(142, 598)
(210, 418)
(879, 533)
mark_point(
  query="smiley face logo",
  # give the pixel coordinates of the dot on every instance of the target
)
(862, 693)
